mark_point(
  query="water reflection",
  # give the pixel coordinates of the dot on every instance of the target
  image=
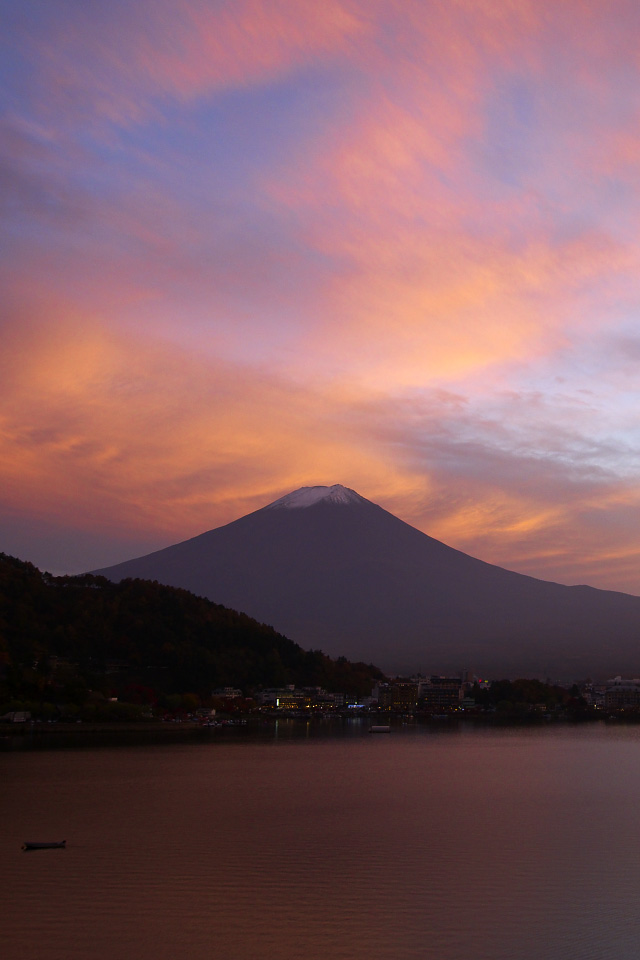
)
(505, 845)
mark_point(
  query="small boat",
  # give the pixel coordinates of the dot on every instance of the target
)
(380, 728)
(32, 845)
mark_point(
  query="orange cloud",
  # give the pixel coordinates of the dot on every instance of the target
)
(105, 429)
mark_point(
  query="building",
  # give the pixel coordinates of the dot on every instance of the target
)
(284, 698)
(441, 693)
(399, 695)
(16, 716)
(622, 694)
(319, 699)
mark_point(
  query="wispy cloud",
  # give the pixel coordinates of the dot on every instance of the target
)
(255, 245)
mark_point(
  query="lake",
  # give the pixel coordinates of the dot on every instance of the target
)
(328, 842)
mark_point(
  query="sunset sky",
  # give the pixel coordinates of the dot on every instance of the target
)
(250, 246)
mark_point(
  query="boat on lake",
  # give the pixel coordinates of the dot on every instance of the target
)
(34, 845)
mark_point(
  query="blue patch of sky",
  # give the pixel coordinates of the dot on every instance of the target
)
(18, 13)
(224, 141)
(15, 68)
(507, 151)
(208, 158)
(212, 157)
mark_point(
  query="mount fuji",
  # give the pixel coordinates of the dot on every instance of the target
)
(334, 571)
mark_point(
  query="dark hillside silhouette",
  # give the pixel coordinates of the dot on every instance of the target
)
(156, 635)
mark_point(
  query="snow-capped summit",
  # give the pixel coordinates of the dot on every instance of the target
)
(308, 496)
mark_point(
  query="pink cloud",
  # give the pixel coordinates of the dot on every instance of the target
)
(103, 428)
(446, 271)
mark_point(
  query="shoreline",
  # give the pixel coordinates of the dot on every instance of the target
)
(34, 734)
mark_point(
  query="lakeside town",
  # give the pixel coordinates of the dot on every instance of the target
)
(418, 697)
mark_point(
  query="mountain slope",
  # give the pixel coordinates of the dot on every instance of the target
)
(333, 570)
(159, 636)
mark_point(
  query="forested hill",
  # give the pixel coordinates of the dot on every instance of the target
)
(162, 636)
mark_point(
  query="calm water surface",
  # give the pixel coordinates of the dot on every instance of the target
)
(469, 844)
